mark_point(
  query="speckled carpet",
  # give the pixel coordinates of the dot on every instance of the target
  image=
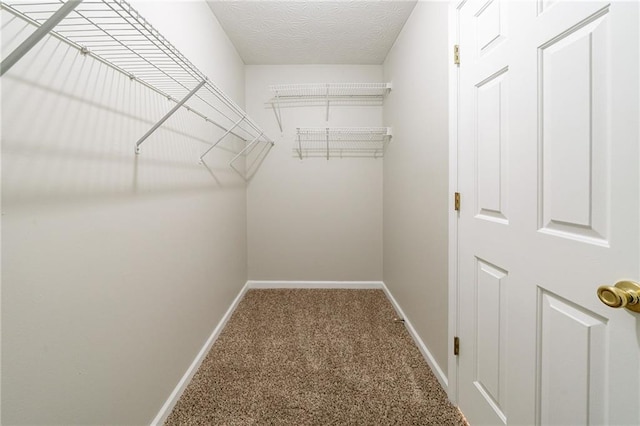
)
(314, 357)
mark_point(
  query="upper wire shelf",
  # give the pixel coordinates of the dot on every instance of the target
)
(115, 34)
(286, 95)
(333, 90)
(341, 141)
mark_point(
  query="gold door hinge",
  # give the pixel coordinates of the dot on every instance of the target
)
(456, 346)
(456, 202)
(456, 54)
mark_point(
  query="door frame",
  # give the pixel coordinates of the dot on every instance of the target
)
(453, 39)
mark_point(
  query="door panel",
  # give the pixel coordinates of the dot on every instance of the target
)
(572, 353)
(548, 169)
(491, 147)
(490, 26)
(573, 76)
(491, 297)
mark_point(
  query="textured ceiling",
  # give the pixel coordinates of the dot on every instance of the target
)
(312, 32)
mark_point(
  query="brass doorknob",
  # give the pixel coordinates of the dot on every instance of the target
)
(625, 294)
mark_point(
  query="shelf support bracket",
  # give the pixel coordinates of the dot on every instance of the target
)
(245, 149)
(37, 35)
(167, 115)
(277, 111)
(327, 96)
(327, 143)
(236, 124)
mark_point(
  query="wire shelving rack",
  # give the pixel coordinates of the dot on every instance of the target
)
(327, 94)
(114, 33)
(341, 141)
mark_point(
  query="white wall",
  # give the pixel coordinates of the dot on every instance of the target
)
(313, 219)
(115, 267)
(416, 175)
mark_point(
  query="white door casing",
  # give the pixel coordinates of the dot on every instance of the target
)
(548, 164)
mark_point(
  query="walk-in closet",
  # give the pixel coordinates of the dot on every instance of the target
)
(319, 212)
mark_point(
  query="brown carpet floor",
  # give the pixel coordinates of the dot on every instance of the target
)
(314, 357)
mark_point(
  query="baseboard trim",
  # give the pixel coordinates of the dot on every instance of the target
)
(316, 284)
(435, 367)
(166, 409)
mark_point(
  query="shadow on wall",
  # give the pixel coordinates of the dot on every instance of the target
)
(69, 128)
(115, 266)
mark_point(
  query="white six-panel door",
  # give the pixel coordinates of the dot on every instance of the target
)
(549, 174)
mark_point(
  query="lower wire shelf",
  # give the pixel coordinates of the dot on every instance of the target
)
(340, 142)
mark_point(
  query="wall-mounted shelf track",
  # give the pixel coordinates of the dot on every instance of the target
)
(327, 94)
(114, 33)
(341, 141)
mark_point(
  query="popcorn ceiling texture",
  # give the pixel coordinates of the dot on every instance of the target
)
(312, 32)
(314, 357)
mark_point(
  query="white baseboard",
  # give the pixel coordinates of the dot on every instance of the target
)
(316, 284)
(435, 367)
(166, 409)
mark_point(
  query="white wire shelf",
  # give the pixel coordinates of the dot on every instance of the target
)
(341, 141)
(333, 90)
(329, 94)
(114, 33)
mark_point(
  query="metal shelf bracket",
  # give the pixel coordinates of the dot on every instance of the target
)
(327, 136)
(169, 114)
(114, 34)
(236, 124)
(245, 149)
(37, 35)
(276, 110)
(327, 96)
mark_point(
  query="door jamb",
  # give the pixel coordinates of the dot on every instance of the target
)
(453, 37)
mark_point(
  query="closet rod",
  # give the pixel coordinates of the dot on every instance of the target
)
(37, 35)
